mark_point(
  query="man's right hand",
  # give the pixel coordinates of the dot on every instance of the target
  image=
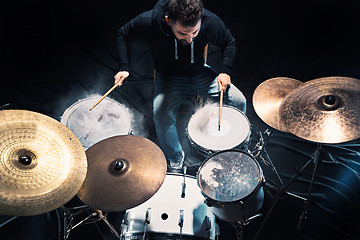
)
(120, 77)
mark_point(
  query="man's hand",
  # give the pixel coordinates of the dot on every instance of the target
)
(120, 77)
(224, 81)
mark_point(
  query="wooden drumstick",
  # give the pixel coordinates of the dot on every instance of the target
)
(220, 107)
(102, 98)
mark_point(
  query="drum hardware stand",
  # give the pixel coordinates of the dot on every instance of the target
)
(239, 226)
(181, 222)
(4, 105)
(261, 147)
(315, 158)
(68, 226)
(7, 221)
(123, 223)
(217, 232)
(184, 183)
(146, 222)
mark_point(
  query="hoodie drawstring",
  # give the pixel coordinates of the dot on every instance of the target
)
(192, 50)
(176, 50)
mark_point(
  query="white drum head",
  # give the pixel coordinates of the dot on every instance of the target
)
(203, 128)
(109, 118)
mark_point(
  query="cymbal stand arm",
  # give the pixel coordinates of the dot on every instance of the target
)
(306, 204)
(276, 198)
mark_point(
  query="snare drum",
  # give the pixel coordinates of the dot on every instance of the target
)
(232, 181)
(172, 204)
(109, 118)
(205, 136)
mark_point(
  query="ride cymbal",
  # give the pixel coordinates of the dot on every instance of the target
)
(42, 163)
(324, 110)
(268, 97)
(124, 171)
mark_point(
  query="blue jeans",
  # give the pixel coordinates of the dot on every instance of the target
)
(170, 91)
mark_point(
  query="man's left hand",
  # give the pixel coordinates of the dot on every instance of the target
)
(224, 81)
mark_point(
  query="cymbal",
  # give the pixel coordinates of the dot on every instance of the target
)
(42, 163)
(268, 97)
(124, 171)
(324, 110)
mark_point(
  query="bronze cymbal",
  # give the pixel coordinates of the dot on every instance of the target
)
(42, 163)
(324, 110)
(123, 172)
(268, 97)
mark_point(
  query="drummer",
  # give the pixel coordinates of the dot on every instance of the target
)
(178, 31)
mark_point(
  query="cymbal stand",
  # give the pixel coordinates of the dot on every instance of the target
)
(306, 204)
(261, 148)
(315, 158)
(68, 225)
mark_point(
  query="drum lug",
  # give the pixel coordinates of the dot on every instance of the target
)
(242, 205)
(263, 181)
(208, 202)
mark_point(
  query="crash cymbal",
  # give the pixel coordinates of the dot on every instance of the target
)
(123, 172)
(268, 97)
(42, 163)
(324, 110)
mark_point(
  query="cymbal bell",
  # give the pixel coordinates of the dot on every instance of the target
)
(268, 97)
(324, 110)
(42, 163)
(123, 172)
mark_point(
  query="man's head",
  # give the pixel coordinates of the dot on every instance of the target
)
(184, 17)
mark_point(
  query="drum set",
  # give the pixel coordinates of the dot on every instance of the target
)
(93, 155)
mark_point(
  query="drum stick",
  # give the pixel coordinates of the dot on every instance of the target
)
(220, 107)
(102, 98)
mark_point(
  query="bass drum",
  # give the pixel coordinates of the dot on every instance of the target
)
(205, 137)
(176, 210)
(232, 182)
(109, 118)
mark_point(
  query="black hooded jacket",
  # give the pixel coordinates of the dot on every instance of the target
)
(169, 57)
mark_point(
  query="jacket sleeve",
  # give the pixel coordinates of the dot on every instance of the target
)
(221, 37)
(138, 26)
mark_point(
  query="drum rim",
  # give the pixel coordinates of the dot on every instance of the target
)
(204, 149)
(215, 202)
(180, 174)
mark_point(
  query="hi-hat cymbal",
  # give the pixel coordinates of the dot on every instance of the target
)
(324, 110)
(42, 163)
(268, 97)
(123, 172)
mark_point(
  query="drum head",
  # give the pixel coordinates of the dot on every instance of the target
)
(109, 118)
(229, 176)
(203, 128)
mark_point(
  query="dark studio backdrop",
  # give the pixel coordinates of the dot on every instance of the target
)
(54, 53)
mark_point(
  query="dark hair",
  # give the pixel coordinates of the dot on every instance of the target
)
(187, 12)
